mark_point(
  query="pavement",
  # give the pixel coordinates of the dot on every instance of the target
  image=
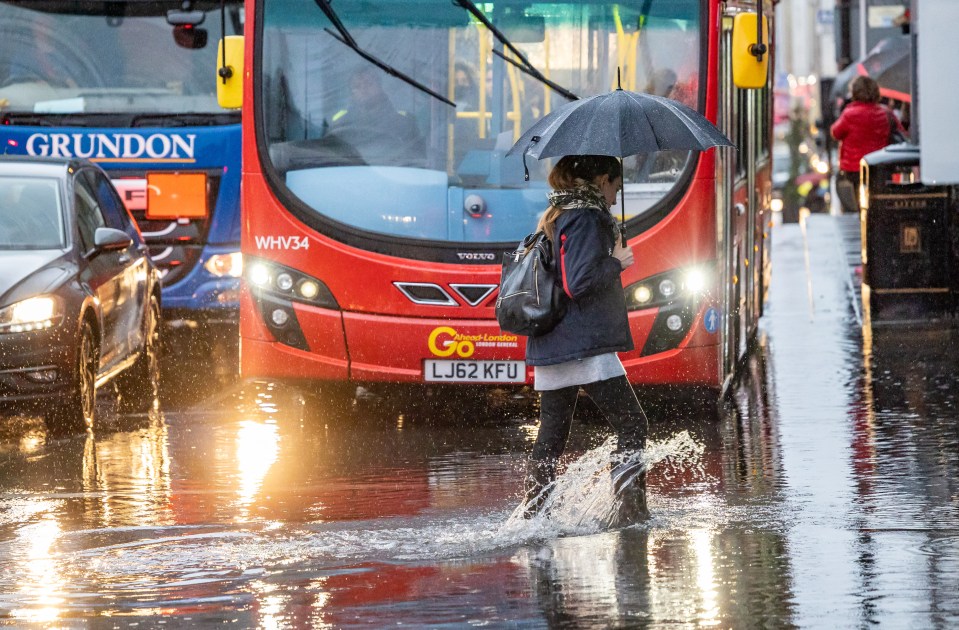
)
(824, 249)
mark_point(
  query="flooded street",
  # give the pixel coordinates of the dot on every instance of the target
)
(823, 493)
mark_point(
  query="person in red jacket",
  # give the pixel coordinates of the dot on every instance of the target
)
(863, 127)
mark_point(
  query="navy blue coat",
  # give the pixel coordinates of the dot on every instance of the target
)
(596, 321)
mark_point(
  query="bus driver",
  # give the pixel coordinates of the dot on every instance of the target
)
(374, 128)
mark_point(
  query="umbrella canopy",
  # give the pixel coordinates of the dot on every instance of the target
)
(888, 63)
(619, 123)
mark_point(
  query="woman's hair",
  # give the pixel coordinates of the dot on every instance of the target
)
(572, 171)
(865, 90)
(575, 170)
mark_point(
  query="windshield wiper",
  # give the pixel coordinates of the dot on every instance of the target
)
(523, 64)
(344, 36)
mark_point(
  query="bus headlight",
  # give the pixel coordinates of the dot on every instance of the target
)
(275, 289)
(668, 287)
(284, 281)
(225, 265)
(674, 323)
(280, 317)
(259, 275)
(694, 280)
(309, 289)
(268, 277)
(642, 294)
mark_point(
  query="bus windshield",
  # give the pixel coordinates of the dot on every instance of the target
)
(65, 57)
(354, 145)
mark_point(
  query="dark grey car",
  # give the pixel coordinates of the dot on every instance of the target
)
(79, 296)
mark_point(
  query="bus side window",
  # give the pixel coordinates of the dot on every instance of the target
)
(761, 123)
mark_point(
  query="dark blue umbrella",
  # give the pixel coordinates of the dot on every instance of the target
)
(619, 124)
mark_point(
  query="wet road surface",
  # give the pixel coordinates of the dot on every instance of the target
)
(823, 494)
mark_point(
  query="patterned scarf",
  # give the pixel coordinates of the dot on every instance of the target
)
(587, 195)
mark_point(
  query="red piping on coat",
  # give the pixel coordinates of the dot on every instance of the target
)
(562, 265)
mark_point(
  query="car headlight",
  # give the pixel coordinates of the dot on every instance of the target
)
(36, 313)
(672, 286)
(225, 265)
(275, 279)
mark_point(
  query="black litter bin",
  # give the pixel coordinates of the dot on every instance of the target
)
(906, 241)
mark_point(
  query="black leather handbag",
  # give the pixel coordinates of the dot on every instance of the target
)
(530, 301)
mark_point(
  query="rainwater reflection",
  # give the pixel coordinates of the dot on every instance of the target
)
(267, 509)
(905, 459)
(821, 494)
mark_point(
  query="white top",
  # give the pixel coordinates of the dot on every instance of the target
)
(577, 372)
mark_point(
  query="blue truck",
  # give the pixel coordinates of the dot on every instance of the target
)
(131, 86)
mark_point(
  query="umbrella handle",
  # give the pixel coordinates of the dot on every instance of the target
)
(532, 141)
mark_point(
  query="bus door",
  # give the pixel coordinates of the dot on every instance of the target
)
(728, 210)
(753, 137)
(745, 125)
(758, 131)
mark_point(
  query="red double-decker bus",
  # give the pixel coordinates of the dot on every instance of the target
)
(378, 199)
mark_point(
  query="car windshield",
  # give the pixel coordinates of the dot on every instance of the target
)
(109, 57)
(31, 215)
(362, 147)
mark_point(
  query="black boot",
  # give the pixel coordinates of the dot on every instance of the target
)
(629, 486)
(538, 485)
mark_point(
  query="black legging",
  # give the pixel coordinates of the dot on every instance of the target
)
(614, 397)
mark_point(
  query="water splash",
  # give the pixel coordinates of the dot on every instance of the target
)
(582, 503)
(584, 499)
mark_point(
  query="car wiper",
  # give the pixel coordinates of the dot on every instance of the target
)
(523, 64)
(344, 36)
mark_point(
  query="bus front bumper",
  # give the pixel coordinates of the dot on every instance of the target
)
(342, 346)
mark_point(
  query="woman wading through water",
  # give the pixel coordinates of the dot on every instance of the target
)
(581, 352)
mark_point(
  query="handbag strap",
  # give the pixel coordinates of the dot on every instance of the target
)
(537, 240)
